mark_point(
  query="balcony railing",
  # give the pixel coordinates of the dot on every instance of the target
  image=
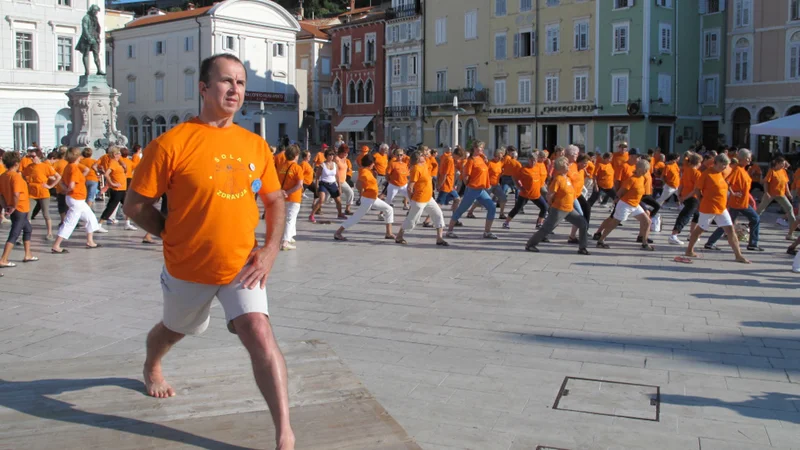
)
(401, 111)
(403, 11)
(464, 96)
(332, 101)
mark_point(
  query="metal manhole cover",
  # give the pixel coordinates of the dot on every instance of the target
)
(544, 447)
(609, 398)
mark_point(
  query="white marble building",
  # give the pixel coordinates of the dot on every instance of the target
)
(38, 65)
(157, 60)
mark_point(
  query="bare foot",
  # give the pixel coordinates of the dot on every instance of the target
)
(156, 385)
(743, 260)
(286, 441)
(691, 254)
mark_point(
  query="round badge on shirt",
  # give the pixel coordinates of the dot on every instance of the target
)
(256, 186)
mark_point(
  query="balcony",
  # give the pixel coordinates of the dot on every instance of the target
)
(398, 112)
(332, 101)
(464, 96)
(403, 11)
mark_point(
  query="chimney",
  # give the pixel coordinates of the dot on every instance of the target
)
(352, 5)
(301, 14)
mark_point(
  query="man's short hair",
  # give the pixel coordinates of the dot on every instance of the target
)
(291, 152)
(72, 154)
(367, 161)
(87, 152)
(11, 159)
(208, 64)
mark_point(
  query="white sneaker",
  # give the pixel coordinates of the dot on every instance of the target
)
(782, 222)
(111, 221)
(286, 247)
(101, 230)
(673, 239)
(130, 227)
(292, 241)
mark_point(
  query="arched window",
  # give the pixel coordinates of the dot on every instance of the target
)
(147, 130)
(793, 57)
(741, 61)
(188, 117)
(360, 91)
(369, 95)
(133, 131)
(741, 127)
(174, 121)
(351, 92)
(26, 128)
(63, 126)
(471, 131)
(161, 126)
(442, 135)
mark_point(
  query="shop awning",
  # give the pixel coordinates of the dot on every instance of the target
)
(353, 124)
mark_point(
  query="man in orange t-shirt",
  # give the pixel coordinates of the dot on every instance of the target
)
(14, 196)
(291, 176)
(618, 159)
(476, 178)
(211, 169)
(603, 180)
(380, 164)
(446, 180)
(630, 195)
(420, 188)
(367, 184)
(530, 179)
(712, 189)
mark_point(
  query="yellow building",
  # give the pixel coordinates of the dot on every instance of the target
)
(541, 70)
(456, 63)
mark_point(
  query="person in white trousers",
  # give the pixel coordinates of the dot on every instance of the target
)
(367, 184)
(420, 185)
(672, 179)
(291, 175)
(73, 181)
(397, 175)
(345, 190)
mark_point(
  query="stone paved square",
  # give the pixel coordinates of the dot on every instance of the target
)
(466, 347)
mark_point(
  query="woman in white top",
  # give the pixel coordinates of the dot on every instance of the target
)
(325, 181)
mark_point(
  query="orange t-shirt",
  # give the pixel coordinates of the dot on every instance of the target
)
(532, 181)
(128, 167)
(634, 190)
(423, 185)
(291, 173)
(714, 190)
(398, 173)
(36, 175)
(349, 167)
(102, 162)
(589, 170)
(364, 152)
(576, 177)
(755, 173)
(672, 175)
(2, 168)
(24, 163)
(280, 159)
(209, 175)
(369, 184)
(689, 179)
(381, 163)
(88, 163)
(648, 184)
(308, 172)
(74, 174)
(447, 172)
(657, 169)
(433, 165)
(319, 159)
(776, 182)
(796, 180)
(495, 170)
(604, 175)
(543, 172)
(59, 166)
(625, 172)
(618, 161)
(478, 173)
(739, 182)
(10, 184)
(118, 175)
(563, 193)
(510, 167)
(341, 169)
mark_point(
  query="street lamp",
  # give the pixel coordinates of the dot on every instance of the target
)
(456, 112)
(263, 113)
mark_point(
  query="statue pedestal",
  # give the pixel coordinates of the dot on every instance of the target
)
(94, 114)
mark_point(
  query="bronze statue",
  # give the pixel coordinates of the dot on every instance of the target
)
(90, 39)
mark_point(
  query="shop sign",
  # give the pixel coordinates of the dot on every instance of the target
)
(511, 111)
(568, 109)
(266, 97)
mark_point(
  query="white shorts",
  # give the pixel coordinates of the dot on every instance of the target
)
(624, 210)
(187, 305)
(723, 220)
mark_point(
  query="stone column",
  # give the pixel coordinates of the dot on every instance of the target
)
(94, 114)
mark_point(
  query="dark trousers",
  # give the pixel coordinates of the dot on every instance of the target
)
(522, 201)
(114, 199)
(164, 207)
(585, 207)
(688, 213)
(610, 193)
(650, 201)
(553, 219)
(19, 225)
(754, 223)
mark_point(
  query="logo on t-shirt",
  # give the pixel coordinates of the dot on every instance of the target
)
(232, 177)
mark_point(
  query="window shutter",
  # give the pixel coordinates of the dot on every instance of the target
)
(703, 6)
(577, 33)
(516, 45)
(533, 43)
(722, 5)
(701, 95)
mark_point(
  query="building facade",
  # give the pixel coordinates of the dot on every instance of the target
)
(315, 55)
(763, 76)
(404, 38)
(456, 63)
(157, 60)
(356, 101)
(38, 65)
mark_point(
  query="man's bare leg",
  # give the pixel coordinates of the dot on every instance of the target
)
(269, 369)
(159, 341)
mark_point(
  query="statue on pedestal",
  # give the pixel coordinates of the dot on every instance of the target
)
(90, 39)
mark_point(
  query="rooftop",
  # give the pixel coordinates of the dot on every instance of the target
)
(168, 17)
(311, 30)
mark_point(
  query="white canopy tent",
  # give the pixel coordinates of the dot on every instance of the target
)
(788, 126)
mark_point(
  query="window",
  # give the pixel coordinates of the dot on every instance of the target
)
(360, 92)
(229, 43)
(64, 2)
(793, 60)
(794, 10)
(581, 87)
(500, 46)
(553, 2)
(131, 90)
(188, 44)
(665, 3)
(499, 92)
(551, 89)
(742, 11)
(665, 31)
(279, 50)
(621, 38)
(711, 44)
(553, 44)
(304, 62)
(370, 48)
(325, 65)
(133, 131)
(403, 31)
(499, 8)
(618, 134)
(395, 33)
(26, 128)
(441, 80)
(665, 88)
(582, 35)
(524, 91)
(711, 6)
(131, 52)
(523, 44)
(24, 51)
(412, 67)
(63, 125)
(188, 86)
(64, 63)
(441, 30)
(358, 46)
(160, 126)
(396, 69)
(160, 89)
(577, 135)
(525, 5)
(741, 61)
(161, 47)
(351, 92)
(174, 121)
(346, 50)
(471, 77)
(709, 90)
(619, 89)
(500, 136)
(441, 133)
(369, 92)
(619, 4)
(471, 25)
(524, 139)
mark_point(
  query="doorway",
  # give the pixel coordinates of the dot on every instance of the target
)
(665, 138)
(549, 137)
(711, 134)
